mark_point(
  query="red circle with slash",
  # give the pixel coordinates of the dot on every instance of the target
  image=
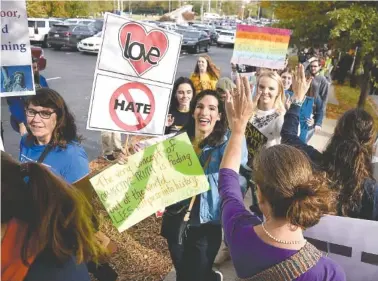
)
(124, 91)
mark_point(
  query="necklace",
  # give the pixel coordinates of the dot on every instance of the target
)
(279, 240)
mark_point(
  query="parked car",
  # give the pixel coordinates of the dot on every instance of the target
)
(226, 38)
(91, 44)
(79, 21)
(38, 30)
(63, 35)
(194, 41)
(97, 25)
(210, 30)
(37, 52)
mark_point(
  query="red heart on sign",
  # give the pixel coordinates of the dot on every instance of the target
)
(143, 50)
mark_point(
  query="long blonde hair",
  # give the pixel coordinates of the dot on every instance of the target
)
(279, 103)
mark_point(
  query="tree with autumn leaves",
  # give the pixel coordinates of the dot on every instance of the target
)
(342, 24)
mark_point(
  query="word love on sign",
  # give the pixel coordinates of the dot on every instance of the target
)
(142, 49)
(152, 179)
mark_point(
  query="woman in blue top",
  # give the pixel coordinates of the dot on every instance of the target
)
(52, 126)
(208, 130)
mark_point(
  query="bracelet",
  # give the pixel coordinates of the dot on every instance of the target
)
(297, 102)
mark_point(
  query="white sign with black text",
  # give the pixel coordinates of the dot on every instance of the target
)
(352, 243)
(16, 61)
(134, 77)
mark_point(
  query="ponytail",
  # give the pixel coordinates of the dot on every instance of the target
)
(57, 214)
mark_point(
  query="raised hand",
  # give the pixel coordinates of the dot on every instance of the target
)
(239, 105)
(300, 83)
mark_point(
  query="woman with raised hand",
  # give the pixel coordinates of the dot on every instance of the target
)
(182, 94)
(208, 131)
(268, 106)
(205, 75)
(291, 197)
(347, 157)
(46, 227)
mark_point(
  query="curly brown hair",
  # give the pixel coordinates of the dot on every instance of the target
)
(211, 68)
(293, 190)
(347, 159)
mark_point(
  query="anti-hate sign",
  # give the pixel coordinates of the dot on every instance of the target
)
(261, 46)
(152, 179)
(134, 77)
(16, 62)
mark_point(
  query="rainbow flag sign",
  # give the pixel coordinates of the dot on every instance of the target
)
(261, 46)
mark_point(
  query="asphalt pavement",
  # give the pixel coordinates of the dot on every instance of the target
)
(71, 74)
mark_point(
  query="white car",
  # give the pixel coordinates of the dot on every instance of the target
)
(91, 44)
(39, 28)
(226, 38)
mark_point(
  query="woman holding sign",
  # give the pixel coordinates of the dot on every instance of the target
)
(291, 197)
(205, 75)
(194, 257)
(346, 159)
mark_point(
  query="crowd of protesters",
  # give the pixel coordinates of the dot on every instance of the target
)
(49, 231)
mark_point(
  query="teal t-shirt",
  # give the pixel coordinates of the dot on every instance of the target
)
(70, 163)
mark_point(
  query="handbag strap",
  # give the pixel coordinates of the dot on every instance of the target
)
(187, 215)
(291, 268)
(44, 153)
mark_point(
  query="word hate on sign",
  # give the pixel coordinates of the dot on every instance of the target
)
(131, 106)
(117, 105)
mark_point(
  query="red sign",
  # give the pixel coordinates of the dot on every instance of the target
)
(116, 105)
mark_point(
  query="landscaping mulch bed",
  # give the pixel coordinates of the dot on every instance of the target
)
(142, 253)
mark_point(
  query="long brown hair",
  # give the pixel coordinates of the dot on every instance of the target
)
(211, 68)
(347, 159)
(57, 214)
(294, 191)
(65, 130)
(220, 128)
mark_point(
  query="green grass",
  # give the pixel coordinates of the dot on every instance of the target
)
(348, 99)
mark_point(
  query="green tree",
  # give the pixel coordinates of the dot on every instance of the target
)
(357, 26)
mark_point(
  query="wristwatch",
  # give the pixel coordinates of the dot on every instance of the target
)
(296, 101)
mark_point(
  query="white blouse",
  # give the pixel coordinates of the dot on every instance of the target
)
(269, 123)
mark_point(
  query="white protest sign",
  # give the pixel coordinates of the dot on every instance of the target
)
(352, 243)
(134, 77)
(16, 62)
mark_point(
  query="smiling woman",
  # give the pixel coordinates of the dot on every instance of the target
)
(207, 128)
(52, 131)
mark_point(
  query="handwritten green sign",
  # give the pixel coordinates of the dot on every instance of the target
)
(152, 179)
(255, 140)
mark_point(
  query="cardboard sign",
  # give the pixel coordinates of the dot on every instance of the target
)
(352, 243)
(134, 77)
(16, 61)
(152, 179)
(261, 46)
(255, 140)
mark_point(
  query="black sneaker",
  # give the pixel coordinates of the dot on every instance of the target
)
(109, 157)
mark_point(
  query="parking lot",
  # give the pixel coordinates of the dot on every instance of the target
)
(71, 74)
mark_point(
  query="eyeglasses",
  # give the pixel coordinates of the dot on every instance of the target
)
(43, 113)
(314, 66)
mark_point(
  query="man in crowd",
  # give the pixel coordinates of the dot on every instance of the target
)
(319, 91)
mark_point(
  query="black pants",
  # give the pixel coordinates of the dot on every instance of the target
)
(194, 259)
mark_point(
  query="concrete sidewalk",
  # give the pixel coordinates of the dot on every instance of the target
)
(319, 141)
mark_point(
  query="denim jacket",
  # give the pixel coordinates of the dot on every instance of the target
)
(209, 203)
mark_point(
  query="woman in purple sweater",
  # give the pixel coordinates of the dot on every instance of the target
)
(291, 197)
